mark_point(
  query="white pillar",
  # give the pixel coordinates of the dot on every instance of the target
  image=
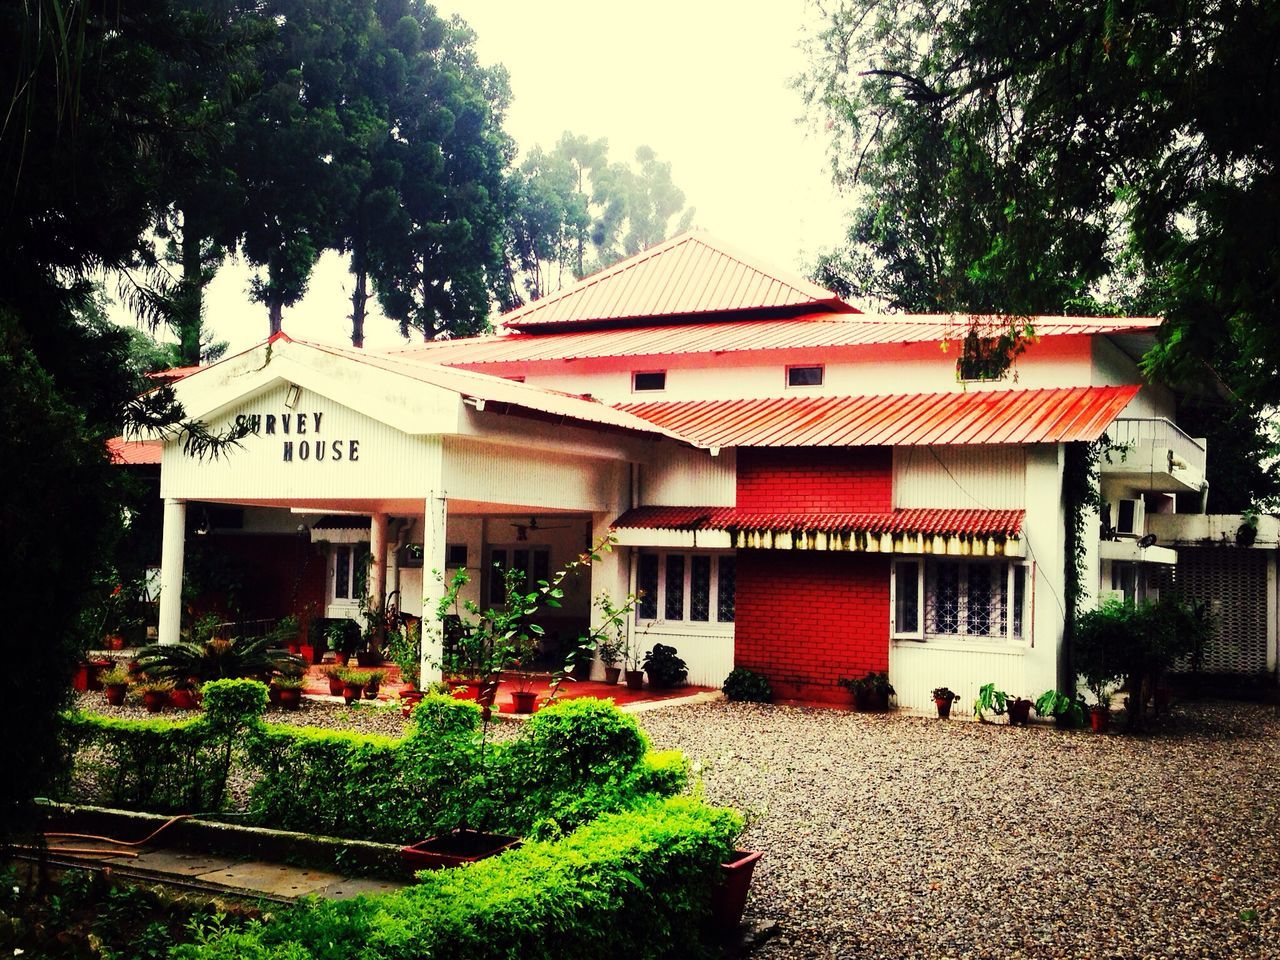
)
(172, 545)
(377, 585)
(433, 570)
(611, 573)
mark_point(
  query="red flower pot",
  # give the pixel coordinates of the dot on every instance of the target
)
(729, 898)
(524, 700)
(408, 700)
(115, 693)
(183, 698)
(1099, 719)
(155, 701)
(611, 675)
(335, 687)
(290, 698)
(944, 707)
(115, 642)
(456, 849)
(273, 695)
(371, 690)
(351, 692)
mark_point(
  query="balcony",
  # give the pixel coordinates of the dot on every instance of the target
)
(1157, 456)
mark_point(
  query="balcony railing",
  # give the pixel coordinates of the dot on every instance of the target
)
(1136, 433)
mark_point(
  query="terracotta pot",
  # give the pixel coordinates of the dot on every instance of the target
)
(456, 849)
(115, 693)
(635, 679)
(872, 701)
(729, 898)
(408, 700)
(290, 698)
(351, 692)
(308, 653)
(115, 642)
(1099, 719)
(155, 700)
(371, 690)
(80, 679)
(1019, 711)
(611, 675)
(273, 694)
(944, 707)
(183, 698)
(295, 648)
(524, 700)
(335, 687)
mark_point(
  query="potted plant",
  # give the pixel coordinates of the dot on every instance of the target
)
(404, 649)
(729, 896)
(184, 696)
(373, 682)
(989, 699)
(352, 685)
(333, 674)
(943, 697)
(611, 633)
(524, 698)
(664, 668)
(290, 692)
(1067, 711)
(155, 694)
(1100, 713)
(871, 693)
(115, 685)
(1019, 711)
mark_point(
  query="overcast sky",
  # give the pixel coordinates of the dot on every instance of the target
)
(705, 83)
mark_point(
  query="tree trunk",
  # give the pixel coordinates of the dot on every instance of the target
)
(189, 302)
(360, 295)
(275, 313)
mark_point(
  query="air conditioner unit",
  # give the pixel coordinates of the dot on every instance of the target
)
(1130, 518)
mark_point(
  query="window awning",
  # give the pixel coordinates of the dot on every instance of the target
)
(941, 531)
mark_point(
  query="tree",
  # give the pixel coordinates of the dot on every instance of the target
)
(1084, 157)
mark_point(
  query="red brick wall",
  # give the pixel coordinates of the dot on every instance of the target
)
(804, 620)
(816, 480)
(279, 574)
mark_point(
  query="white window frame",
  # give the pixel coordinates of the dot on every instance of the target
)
(640, 373)
(488, 585)
(822, 376)
(712, 624)
(922, 634)
(353, 586)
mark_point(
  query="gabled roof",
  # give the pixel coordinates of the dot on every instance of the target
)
(811, 331)
(690, 275)
(924, 522)
(130, 453)
(980, 416)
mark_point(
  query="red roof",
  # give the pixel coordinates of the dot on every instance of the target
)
(687, 275)
(135, 452)
(924, 522)
(979, 416)
(811, 331)
(173, 374)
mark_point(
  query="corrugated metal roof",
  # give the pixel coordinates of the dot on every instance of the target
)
(482, 386)
(814, 331)
(924, 522)
(135, 452)
(693, 273)
(979, 416)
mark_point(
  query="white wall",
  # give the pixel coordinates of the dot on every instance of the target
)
(682, 477)
(960, 477)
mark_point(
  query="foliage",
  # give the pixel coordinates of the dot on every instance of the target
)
(664, 667)
(747, 686)
(990, 699)
(404, 649)
(218, 658)
(635, 884)
(1063, 707)
(163, 765)
(943, 693)
(875, 683)
(1137, 643)
(610, 634)
(119, 674)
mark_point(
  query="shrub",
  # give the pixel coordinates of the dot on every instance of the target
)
(633, 884)
(747, 686)
(664, 667)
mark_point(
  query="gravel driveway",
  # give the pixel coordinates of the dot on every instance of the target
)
(910, 837)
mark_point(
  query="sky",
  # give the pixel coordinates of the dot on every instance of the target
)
(705, 83)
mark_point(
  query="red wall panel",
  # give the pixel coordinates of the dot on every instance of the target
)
(805, 620)
(816, 480)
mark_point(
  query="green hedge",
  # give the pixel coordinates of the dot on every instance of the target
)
(163, 765)
(631, 884)
(574, 761)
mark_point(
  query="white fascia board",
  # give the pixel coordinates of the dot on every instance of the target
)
(685, 539)
(1129, 550)
(408, 405)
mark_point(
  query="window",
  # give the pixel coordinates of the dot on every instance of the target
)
(695, 588)
(958, 599)
(804, 376)
(983, 358)
(649, 380)
(535, 564)
(350, 563)
(455, 555)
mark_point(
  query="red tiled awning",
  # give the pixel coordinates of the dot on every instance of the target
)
(131, 453)
(919, 522)
(1057, 415)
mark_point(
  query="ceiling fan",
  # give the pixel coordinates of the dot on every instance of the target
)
(522, 529)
